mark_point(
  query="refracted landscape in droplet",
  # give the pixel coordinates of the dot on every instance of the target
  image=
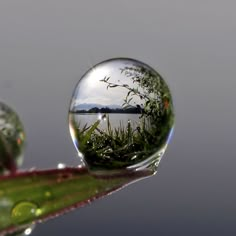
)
(12, 139)
(121, 116)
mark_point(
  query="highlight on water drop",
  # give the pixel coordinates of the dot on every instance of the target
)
(121, 116)
(23, 232)
(29, 229)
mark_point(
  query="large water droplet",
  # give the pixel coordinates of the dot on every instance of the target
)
(12, 139)
(24, 212)
(121, 116)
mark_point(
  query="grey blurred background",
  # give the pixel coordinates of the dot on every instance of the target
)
(47, 45)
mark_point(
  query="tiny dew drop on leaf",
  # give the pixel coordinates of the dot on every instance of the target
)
(24, 211)
(12, 140)
(137, 114)
(23, 231)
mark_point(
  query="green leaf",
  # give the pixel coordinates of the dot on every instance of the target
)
(89, 133)
(39, 195)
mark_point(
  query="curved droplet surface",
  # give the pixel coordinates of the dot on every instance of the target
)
(24, 211)
(121, 116)
(12, 139)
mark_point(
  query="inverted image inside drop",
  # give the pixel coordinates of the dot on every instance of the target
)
(121, 114)
(12, 139)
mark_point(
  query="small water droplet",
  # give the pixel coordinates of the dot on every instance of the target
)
(29, 229)
(38, 212)
(61, 166)
(24, 212)
(48, 194)
(12, 139)
(121, 116)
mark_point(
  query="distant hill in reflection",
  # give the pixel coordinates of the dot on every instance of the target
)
(88, 106)
(97, 108)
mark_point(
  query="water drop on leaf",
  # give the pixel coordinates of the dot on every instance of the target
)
(29, 230)
(24, 212)
(61, 166)
(12, 139)
(23, 232)
(121, 116)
